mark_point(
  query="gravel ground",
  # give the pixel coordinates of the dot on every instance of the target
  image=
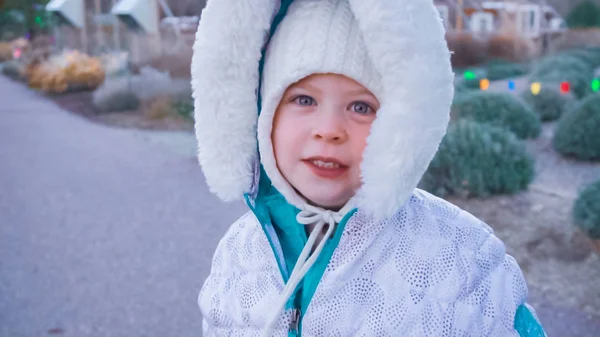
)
(536, 225)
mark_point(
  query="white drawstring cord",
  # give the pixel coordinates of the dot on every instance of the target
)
(308, 216)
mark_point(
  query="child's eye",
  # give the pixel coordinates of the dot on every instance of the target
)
(361, 108)
(304, 100)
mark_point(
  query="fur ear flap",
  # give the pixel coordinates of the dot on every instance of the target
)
(225, 78)
(405, 39)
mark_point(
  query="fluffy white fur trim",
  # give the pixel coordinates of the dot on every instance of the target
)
(405, 39)
(225, 79)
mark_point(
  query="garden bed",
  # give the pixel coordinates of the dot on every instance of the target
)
(536, 225)
(80, 103)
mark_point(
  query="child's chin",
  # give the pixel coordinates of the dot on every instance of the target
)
(327, 201)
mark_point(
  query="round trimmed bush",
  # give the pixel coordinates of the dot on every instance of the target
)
(553, 70)
(499, 70)
(562, 62)
(587, 55)
(469, 84)
(477, 159)
(595, 51)
(586, 210)
(549, 104)
(184, 106)
(116, 101)
(499, 109)
(578, 132)
(472, 84)
(461, 87)
(13, 69)
(584, 15)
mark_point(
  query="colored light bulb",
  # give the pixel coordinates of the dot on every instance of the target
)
(536, 87)
(596, 85)
(469, 75)
(511, 85)
(565, 87)
(484, 84)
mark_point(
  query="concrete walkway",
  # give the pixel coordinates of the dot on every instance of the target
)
(103, 232)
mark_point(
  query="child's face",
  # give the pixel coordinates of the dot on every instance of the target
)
(319, 134)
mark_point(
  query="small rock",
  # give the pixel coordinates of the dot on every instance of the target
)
(56, 331)
(537, 207)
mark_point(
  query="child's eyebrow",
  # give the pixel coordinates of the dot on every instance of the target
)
(361, 91)
(305, 86)
(314, 89)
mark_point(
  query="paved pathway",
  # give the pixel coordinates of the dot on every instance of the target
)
(103, 232)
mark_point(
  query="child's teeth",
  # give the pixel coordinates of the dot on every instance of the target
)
(325, 165)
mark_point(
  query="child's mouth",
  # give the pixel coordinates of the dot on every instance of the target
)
(326, 167)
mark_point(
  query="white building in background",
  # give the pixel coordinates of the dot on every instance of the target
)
(69, 11)
(138, 15)
(530, 19)
(527, 18)
(482, 22)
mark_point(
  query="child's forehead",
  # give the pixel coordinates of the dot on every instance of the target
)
(331, 81)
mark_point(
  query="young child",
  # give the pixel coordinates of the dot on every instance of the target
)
(324, 115)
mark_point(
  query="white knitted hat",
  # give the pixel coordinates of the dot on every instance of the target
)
(315, 36)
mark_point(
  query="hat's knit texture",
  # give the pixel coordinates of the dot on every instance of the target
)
(315, 37)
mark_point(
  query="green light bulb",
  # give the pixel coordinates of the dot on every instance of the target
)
(596, 85)
(469, 75)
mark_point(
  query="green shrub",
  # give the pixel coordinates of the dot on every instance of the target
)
(152, 83)
(127, 92)
(115, 95)
(499, 109)
(500, 70)
(586, 14)
(470, 85)
(116, 101)
(184, 106)
(478, 160)
(595, 51)
(460, 88)
(555, 69)
(12, 69)
(467, 84)
(493, 70)
(549, 104)
(562, 62)
(571, 105)
(578, 132)
(586, 210)
(587, 55)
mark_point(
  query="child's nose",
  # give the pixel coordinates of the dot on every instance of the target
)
(330, 127)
